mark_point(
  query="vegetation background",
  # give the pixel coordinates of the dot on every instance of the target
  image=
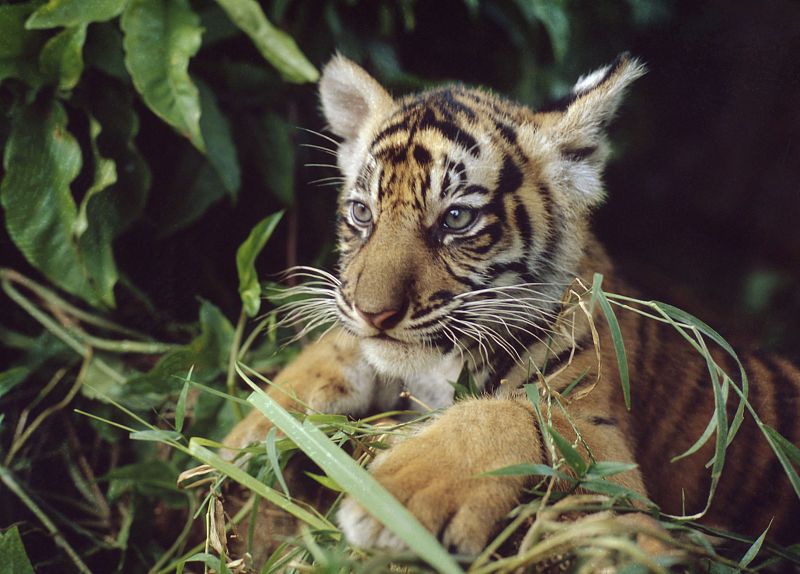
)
(145, 139)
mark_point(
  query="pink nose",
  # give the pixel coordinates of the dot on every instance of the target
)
(382, 320)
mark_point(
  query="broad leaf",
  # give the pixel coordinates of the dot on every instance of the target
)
(61, 59)
(553, 16)
(153, 478)
(112, 106)
(14, 557)
(160, 38)
(220, 148)
(276, 46)
(571, 456)
(41, 160)
(19, 48)
(11, 378)
(74, 13)
(105, 174)
(249, 287)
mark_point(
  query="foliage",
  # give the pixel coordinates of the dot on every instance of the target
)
(148, 146)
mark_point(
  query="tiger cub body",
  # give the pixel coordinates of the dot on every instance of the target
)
(463, 221)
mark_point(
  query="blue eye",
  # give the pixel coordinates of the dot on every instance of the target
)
(360, 213)
(459, 218)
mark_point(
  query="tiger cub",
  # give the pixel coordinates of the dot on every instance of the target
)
(463, 219)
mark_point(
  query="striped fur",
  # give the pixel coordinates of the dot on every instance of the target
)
(417, 296)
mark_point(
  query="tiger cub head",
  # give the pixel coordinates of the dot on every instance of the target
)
(462, 215)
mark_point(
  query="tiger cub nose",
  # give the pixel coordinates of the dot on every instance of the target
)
(383, 320)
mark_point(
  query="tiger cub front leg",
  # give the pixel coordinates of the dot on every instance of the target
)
(437, 473)
(328, 376)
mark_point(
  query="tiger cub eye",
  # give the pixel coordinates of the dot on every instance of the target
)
(360, 213)
(459, 218)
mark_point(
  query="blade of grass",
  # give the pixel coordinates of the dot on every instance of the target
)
(616, 337)
(272, 455)
(753, 551)
(777, 442)
(355, 480)
(235, 473)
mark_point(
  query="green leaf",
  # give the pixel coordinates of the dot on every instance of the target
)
(61, 59)
(249, 287)
(41, 160)
(753, 551)
(277, 47)
(220, 148)
(553, 16)
(613, 489)
(151, 478)
(325, 481)
(272, 456)
(571, 456)
(160, 38)
(356, 481)
(11, 378)
(276, 149)
(201, 453)
(529, 470)
(105, 174)
(786, 453)
(112, 106)
(607, 468)
(156, 435)
(15, 559)
(19, 48)
(74, 12)
(180, 407)
(104, 51)
(616, 337)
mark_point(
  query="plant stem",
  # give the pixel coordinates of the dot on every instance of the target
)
(8, 479)
(230, 381)
(122, 346)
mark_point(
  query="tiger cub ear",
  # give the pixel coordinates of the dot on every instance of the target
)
(350, 97)
(577, 126)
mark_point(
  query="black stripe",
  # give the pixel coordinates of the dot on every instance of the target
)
(422, 155)
(578, 154)
(603, 421)
(786, 421)
(448, 101)
(523, 221)
(394, 154)
(451, 131)
(494, 231)
(388, 131)
(517, 267)
(476, 189)
(508, 133)
(510, 177)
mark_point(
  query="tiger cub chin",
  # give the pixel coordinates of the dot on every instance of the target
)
(463, 220)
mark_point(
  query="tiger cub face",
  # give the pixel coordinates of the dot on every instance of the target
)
(462, 215)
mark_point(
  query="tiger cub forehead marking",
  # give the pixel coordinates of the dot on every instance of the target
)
(440, 148)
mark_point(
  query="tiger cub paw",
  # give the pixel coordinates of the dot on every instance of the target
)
(438, 475)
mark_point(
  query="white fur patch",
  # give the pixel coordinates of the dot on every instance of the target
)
(362, 530)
